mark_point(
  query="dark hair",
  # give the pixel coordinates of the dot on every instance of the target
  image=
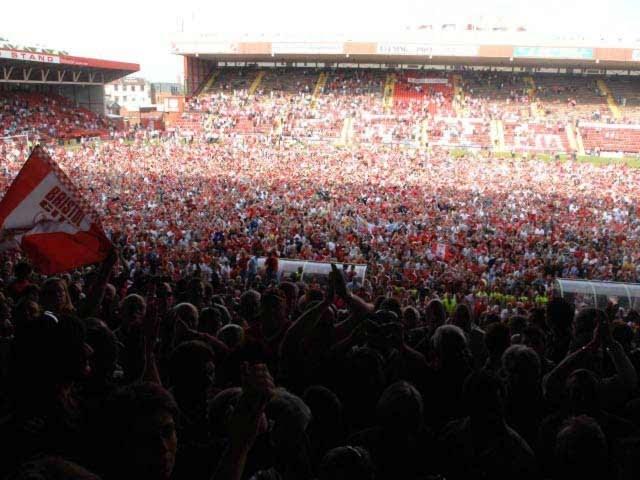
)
(582, 392)
(392, 305)
(517, 324)
(322, 402)
(220, 410)
(586, 321)
(52, 468)
(313, 295)
(104, 344)
(187, 363)
(462, 316)
(535, 333)
(483, 393)
(560, 314)
(400, 408)
(123, 409)
(521, 365)
(622, 333)
(142, 398)
(488, 318)
(22, 270)
(497, 338)
(450, 344)
(49, 350)
(210, 320)
(346, 463)
(581, 449)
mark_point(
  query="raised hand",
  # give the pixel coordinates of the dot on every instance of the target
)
(340, 284)
(604, 319)
(248, 420)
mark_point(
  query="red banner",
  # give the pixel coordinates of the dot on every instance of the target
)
(44, 215)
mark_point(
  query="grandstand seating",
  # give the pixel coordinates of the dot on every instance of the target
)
(459, 132)
(421, 93)
(535, 136)
(531, 112)
(495, 95)
(602, 137)
(47, 116)
(571, 97)
(627, 93)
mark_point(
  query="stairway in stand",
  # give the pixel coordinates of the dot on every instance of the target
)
(458, 95)
(571, 137)
(212, 79)
(424, 135)
(389, 87)
(579, 142)
(319, 88)
(205, 86)
(346, 134)
(531, 93)
(256, 83)
(497, 135)
(611, 100)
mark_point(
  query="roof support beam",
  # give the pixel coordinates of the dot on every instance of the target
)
(50, 82)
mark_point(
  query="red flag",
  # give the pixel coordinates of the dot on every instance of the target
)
(442, 251)
(44, 214)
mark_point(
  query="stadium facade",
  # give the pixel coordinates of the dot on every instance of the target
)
(447, 48)
(79, 79)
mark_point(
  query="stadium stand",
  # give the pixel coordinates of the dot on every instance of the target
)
(291, 293)
(530, 112)
(48, 116)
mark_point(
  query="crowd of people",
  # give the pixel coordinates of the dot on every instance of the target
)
(189, 354)
(361, 106)
(431, 342)
(47, 116)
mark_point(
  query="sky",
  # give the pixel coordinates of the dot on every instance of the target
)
(140, 31)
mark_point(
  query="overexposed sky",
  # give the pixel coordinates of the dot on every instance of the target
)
(139, 31)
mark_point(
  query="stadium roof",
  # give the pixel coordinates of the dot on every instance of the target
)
(35, 65)
(442, 47)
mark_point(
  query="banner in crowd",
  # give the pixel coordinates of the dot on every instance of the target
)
(441, 81)
(45, 216)
(442, 251)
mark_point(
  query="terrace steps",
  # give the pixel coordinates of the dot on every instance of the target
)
(211, 81)
(611, 100)
(389, 87)
(571, 137)
(256, 83)
(319, 88)
(579, 142)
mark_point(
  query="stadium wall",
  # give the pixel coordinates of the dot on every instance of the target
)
(89, 97)
(196, 71)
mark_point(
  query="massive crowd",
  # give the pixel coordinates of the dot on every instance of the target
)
(181, 357)
(189, 353)
(454, 110)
